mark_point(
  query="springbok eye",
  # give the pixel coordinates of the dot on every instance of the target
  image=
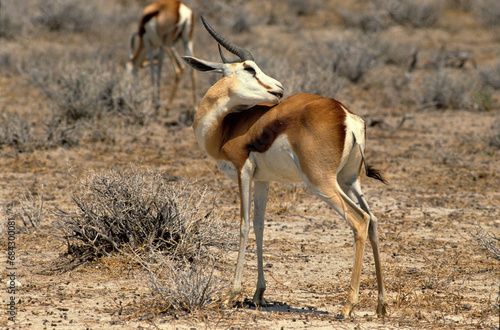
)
(250, 70)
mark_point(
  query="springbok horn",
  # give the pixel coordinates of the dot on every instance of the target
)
(242, 53)
(224, 60)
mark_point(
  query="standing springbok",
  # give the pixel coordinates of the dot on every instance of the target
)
(162, 24)
(254, 138)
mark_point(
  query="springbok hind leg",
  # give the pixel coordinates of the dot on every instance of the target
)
(354, 192)
(359, 221)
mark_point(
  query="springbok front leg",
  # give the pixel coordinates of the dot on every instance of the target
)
(179, 69)
(154, 72)
(261, 190)
(245, 188)
(188, 48)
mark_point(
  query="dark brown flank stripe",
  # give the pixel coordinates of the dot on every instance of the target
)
(263, 142)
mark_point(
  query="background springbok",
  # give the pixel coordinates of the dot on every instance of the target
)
(254, 137)
(162, 24)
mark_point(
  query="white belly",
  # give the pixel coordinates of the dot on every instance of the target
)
(277, 164)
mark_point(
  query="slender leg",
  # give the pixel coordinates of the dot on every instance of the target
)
(260, 201)
(178, 74)
(149, 50)
(358, 221)
(158, 76)
(245, 187)
(354, 192)
(372, 234)
(188, 46)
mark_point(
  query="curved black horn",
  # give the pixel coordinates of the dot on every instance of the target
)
(224, 60)
(242, 53)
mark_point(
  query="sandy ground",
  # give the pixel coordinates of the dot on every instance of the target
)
(444, 181)
(442, 186)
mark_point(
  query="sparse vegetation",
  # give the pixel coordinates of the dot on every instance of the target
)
(85, 91)
(66, 109)
(368, 21)
(448, 89)
(185, 286)
(32, 209)
(353, 57)
(165, 227)
(16, 132)
(488, 11)
(304, 7)
(416, 13)
(488, 241)
(493, 139)
(141, 211)
(68, 16)
(490, 76)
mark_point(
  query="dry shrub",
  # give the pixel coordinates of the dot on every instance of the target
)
(448, 89)
(416, 13)
(241, 23)
(69, 16)
(353, 56)
(493, 139)
(488, 11)
(13, 18)
(368, 21)
(396, 52)
(315, 79)
(88, 89)
(490, 76)
(450, 59)
(304, 7)
(303, 73)
(487, 241)
(463, 5)
(133, 210)
(16, 132)
(182, 285)
(170, 228)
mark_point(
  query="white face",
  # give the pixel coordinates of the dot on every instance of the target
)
(251, 85)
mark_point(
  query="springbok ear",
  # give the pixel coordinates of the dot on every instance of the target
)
(202, 65)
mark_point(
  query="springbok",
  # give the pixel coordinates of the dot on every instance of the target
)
(254, 137)
(162, 24)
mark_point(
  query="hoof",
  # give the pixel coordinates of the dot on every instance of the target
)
(382, 310)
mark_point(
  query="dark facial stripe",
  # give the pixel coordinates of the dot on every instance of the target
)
(258, 80)
(262, 84)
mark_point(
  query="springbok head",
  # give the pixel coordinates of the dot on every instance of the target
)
(248, 84)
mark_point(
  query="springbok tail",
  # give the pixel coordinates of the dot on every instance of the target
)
(370, 171)
(131, 43)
